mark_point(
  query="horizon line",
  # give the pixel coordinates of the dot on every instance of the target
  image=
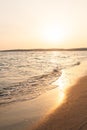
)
(47, 49)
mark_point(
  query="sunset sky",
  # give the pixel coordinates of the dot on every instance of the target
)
(26, 24)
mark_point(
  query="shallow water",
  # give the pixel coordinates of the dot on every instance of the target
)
(24, 75)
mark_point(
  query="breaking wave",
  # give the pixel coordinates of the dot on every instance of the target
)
(29, 89)
(26, 75)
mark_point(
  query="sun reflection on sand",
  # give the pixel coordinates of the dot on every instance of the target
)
(65, 81)
(59, 93)
(62, 84)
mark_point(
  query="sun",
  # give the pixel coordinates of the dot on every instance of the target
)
(53, 34)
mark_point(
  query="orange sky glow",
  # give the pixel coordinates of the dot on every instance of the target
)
(26, 24)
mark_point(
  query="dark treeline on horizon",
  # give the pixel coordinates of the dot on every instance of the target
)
(52, 49)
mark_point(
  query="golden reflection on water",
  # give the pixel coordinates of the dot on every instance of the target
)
(62, 84)
(65, 81)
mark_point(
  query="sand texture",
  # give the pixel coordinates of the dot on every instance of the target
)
(72, 114)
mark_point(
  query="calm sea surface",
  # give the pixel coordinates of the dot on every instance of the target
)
(25, 75)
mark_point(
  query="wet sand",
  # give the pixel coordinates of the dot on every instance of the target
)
(54, 110)
(72, 114)
(24, 115)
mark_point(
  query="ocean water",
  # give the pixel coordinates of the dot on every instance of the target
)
(24, 75)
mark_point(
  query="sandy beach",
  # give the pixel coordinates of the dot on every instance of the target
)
(24, 115)
(61, 108)
(44, 113)
(72, 114)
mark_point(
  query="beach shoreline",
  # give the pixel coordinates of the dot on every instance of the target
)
(23, 115)
(49, 106)
(72, 114)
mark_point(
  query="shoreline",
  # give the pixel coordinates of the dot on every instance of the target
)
(24, 115)
(72, 114)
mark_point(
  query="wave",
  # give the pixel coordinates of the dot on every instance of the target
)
(77, 63)
(29, 89)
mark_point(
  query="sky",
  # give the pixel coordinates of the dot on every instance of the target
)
(27, 24)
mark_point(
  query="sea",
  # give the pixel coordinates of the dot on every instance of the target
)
(25, 75)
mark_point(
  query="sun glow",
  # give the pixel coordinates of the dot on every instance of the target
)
(54, 34)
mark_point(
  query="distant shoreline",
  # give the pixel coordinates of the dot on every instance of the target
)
(52, 49)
